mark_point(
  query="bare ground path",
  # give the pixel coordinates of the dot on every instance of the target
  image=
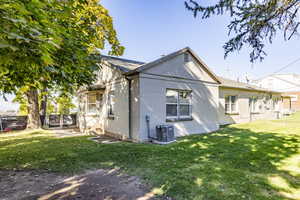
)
(92, 185)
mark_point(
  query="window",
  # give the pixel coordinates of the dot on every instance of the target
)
(254, 105)
(93, 102)
(178, 104)
(267, 102)
(230, 104)
(111, 104)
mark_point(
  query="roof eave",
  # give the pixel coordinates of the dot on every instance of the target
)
(249, 89)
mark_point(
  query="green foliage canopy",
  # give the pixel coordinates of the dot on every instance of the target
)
(51, 43)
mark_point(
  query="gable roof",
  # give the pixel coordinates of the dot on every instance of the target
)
(130, 67)
(172, 55)
(228, 83)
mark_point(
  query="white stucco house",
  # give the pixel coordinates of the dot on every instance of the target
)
(289, 84)
(280, 82)
(177, 89)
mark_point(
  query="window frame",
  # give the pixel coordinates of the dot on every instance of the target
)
(267, 102)
(254, 104)
(236, 111)
(179, 117)
(111, 104)
(96, 103)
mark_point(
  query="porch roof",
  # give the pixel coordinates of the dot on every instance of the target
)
(92, 88)
(122, 64)
(96, 87)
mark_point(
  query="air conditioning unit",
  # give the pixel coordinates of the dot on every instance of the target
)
(164, 134)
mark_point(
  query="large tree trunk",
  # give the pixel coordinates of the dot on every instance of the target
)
(43, 106)
(43, 109)
(33, 109)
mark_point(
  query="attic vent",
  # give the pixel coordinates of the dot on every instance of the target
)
(186, 57)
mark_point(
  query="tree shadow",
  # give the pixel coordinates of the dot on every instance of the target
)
(235, 163)
(232, 163)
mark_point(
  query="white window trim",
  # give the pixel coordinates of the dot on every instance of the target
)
(230, 104)
(180, 117)
(97, 103)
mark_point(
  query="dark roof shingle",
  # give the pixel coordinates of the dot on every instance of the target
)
(124, 65)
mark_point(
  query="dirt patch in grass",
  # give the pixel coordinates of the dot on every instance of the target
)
(92, 185)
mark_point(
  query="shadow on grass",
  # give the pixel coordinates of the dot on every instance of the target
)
(232, 163)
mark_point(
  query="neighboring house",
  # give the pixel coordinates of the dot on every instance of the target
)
(289, 84)
(280, 82)
(177, 89)
(294, 103)
(241, 102)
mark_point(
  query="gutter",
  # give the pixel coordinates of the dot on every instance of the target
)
(249, 89)
(129, 80)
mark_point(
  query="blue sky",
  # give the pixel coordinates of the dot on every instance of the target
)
(149, 29)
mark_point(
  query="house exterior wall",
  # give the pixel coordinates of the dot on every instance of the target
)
(135, 108)
(295, 100)
(153, 103)
(243, 113)
(177, 74)
(100, 122)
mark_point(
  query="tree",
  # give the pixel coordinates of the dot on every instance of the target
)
(48, 104)
(65, 104)
(253, 23)
(47, 44)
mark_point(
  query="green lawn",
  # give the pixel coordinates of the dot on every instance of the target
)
(259, 160)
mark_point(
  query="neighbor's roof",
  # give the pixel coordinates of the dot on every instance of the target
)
(228, 83)
(130, 67)
(278, 76)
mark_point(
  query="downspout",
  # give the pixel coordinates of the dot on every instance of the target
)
(129, 108)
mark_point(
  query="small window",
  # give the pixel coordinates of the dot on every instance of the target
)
(267, 102)
(178, 104)
(111, 104)
(93, 103)
(254, 105)
(231, 104)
